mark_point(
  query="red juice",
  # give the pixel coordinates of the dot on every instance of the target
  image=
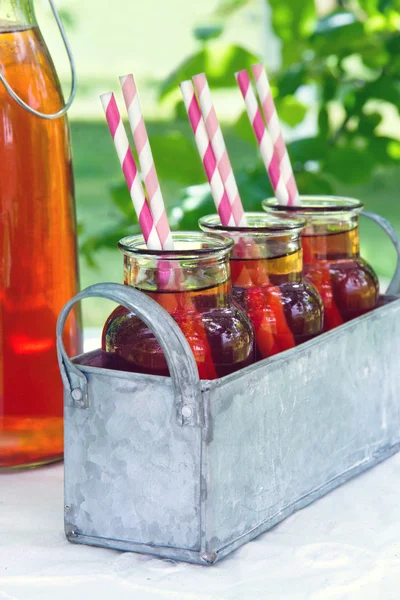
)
(200, 301)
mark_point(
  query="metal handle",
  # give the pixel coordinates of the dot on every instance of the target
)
(60, 113)
(394, 286)
(178, 354)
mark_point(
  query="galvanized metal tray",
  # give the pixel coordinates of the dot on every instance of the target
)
(190, 469)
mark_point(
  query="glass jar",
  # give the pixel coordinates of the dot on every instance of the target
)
(38, 255)
(193, 284)
(347, 284)
(267, 280)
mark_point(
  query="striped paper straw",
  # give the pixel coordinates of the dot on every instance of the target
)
(274, 128)
(219, 148)
(263, 138)
(146, 161)
(207, 154)
(130, 171)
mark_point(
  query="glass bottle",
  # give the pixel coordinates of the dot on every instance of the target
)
(193, 284)
(38, 258)
(347, 284)
(267, 279)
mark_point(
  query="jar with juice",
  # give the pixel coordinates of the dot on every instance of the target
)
(347, 284)
(38, 257)
(192, 283)
(268, 283)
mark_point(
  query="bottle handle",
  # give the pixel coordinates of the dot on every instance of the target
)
(32, 111)
(181, 363)
(394, 286)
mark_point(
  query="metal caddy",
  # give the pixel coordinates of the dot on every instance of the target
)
(191, 470)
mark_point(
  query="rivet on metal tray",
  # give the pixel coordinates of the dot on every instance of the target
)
(67, 507)
(209, 557)
(77, 395)
(186, 411)
(71, 534)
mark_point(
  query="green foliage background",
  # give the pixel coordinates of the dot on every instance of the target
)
(340, 74)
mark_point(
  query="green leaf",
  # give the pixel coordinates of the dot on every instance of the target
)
(293, 22)
(385, 88)
(107, 238)
(312, 148)
(369, 6)
(244, 130)
(329, 88)
(368, 123)
(68, 18)
(219, 60)
(290, 110)
(190, 66)
(313, 183)
(384, 150)
(338, 33)
(349, 165)
(291, 79)
(176, 157)
(122, 199)
(323, 121)
(208, 32)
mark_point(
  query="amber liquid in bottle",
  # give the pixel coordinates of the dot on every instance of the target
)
(220, 340)
(285, 311)
(347, 284)
(38, 261)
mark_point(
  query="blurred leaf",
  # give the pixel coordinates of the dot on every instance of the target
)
(122, 199)
(384, 4)
(338, 33)
(394, 150)
(393, 44)
(293, 21)
(244, 130)
(190, 66)
(349, 165)
(329, 87)
(208, 32)
(107, 238)
(177, 158)
(254, 186)
(67, 17)
(313, 183)
(312, 148)
(368, 123)
(384, 150)
(369, 6)
(384, 88)
(228, 7)
(323, 121)
(291, 79)
(290, 110)
(375, 56)
(219, 60)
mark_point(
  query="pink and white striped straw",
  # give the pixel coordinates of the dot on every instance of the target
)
(218, 145)
(146, 161)
(130, 171)
(274, 128)
(207, 154)
(263, 138)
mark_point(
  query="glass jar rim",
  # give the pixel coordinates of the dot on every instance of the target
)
(317, 204)
(216, 244)
(271, 224)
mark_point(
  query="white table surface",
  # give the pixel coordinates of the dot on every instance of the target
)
(344, 546)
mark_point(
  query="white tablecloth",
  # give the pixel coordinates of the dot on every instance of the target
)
(345, 546)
